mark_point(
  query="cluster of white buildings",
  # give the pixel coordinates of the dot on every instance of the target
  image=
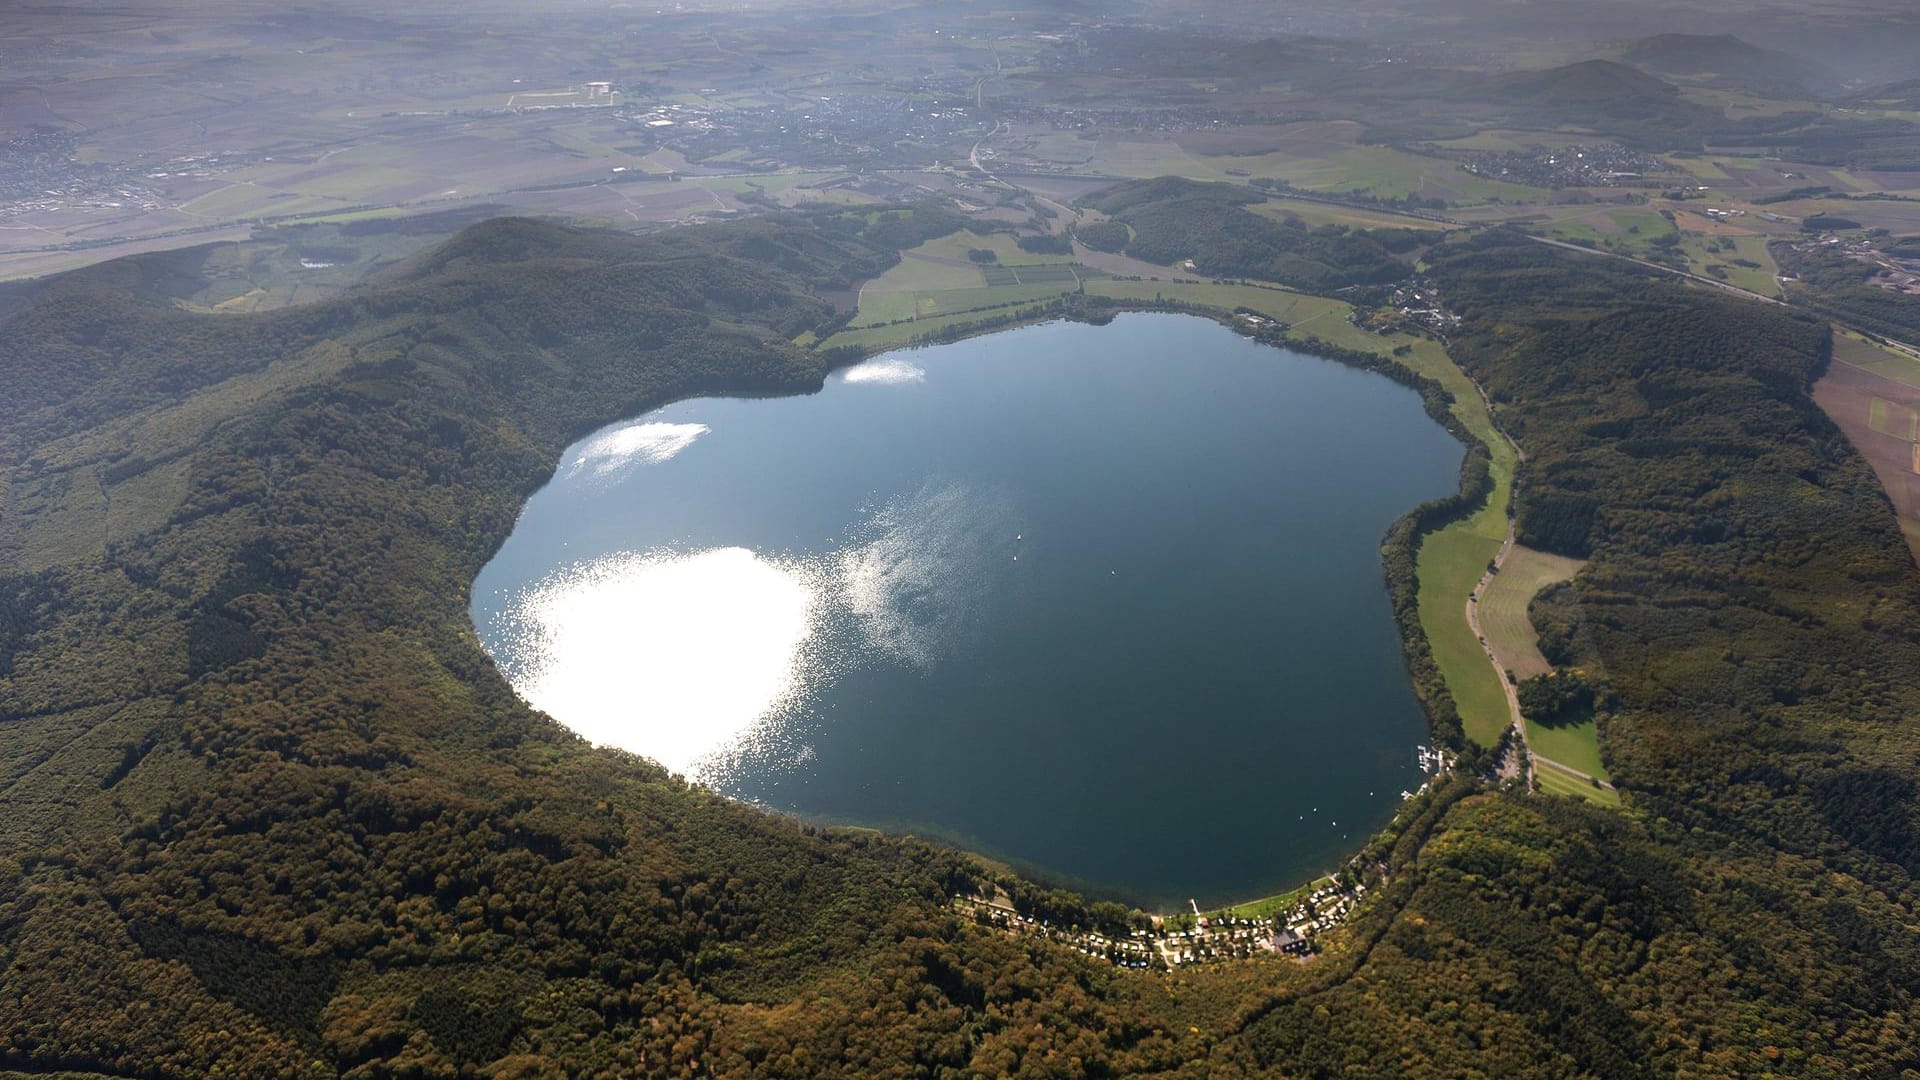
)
(1323, 909)
(1211, 940)
(1207, 939)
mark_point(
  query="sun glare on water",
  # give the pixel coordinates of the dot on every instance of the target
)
(686, 656)
(670, 655)
(610, 453)
(885, 372)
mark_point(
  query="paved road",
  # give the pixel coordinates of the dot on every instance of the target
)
(1710, 282)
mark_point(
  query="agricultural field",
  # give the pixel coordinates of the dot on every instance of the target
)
(1894, 419)
(1318, 157)
(1503, 607)
(938, 279)
(1855, 351)
(1873, 393)
(1724, 251)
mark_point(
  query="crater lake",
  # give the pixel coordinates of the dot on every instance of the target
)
(1103, 601)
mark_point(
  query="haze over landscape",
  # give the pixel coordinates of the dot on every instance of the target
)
(1174, 537)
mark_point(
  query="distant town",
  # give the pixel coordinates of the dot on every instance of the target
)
(1600, 165)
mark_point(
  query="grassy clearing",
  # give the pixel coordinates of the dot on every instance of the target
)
(884, 307)
(1450, 564)
(878, 308)
(1574, 745)
(1699, 168)
(1503, 607)
(914, 274)
(360, 184)
(1701, 260)
(937, 278)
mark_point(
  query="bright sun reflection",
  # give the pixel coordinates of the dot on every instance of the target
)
(887, 372)
(685, 656)
(650, 443)
(671, 656)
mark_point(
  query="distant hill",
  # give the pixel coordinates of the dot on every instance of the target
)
(1725, 60)
(1627, 102)
(1589, 82)
(1900, 95)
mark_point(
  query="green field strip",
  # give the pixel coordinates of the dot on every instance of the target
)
(1309, 316)
(904, 333)
(1268, 907)
(1452, 560)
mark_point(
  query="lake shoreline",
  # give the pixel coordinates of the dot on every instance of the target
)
(1436, 402)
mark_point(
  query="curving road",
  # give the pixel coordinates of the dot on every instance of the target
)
(1512, 692)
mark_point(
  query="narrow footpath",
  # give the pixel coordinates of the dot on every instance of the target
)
(1514, 718)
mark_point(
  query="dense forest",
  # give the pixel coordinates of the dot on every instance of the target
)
(1173, 219)
(266, 809)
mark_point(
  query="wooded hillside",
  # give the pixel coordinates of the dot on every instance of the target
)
(266, 808)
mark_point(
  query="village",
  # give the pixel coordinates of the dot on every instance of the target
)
(1604, 165)
(39, 174)
(1184, 941)
(1198, 937)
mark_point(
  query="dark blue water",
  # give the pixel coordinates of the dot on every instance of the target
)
(1105, 601)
